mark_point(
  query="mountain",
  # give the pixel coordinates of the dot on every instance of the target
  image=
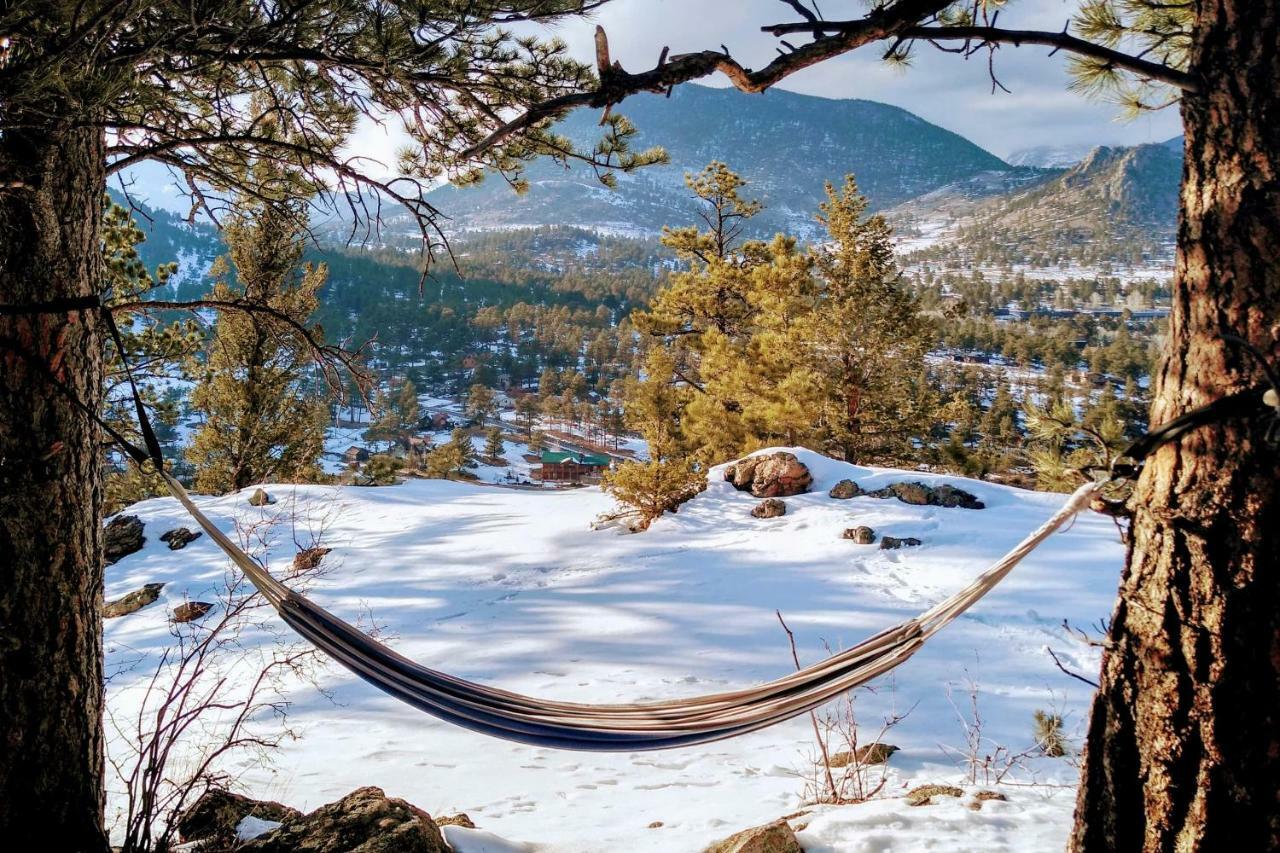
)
(787, 145)
(1116, 205)
(1110, 192)
(1049, 156)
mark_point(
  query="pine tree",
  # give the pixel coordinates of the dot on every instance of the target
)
(868, 337)
(481, 403)
(537, 441)
(157, 351)
(527, 413)
(398, 415)
(260, 424)
(493, 446)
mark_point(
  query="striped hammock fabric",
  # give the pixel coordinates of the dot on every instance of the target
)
(618, 728)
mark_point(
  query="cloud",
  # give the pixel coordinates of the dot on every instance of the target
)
(939, 87)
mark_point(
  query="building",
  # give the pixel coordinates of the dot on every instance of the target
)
(570, 466)
(355, 456)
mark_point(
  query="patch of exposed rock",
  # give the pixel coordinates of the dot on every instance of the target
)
(308, 558)
(892, 543)
(460, 819)
(770, 475)
(863, 535)
(769, 508)
(260, 498)
(918, 494)
(189, 611)
(121, 537)
(179, 538)
(985, 797)
(923, 795)
(364, 821)
(844, 490)
(776, 837)
(869, 753)
(132, 602)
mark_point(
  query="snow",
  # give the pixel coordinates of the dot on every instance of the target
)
(511, 587)
(251, 827)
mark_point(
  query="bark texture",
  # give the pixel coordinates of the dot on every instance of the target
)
(51, 748)
(1183, 750)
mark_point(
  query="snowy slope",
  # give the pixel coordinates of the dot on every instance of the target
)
(512, 588)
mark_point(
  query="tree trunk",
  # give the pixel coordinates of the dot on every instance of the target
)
(51, 746)
(1183, 750)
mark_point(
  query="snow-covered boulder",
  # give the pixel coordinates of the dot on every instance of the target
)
(771, 475)
(366, 820)
(215, 819)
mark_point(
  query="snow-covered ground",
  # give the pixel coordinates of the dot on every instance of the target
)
(513, 588)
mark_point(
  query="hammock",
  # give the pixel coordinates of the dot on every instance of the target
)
(617, 728)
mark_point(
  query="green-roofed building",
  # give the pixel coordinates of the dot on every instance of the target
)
(567, 466)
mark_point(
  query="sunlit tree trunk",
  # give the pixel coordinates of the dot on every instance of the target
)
(51, 748)
(1183, 750)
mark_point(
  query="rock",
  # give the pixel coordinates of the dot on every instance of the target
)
(949, 496)
(773, 475)
(260, 498)
(216, 816)
(136, 600)
(891, 543)
(308, 558)
(845, 489)
(657, 824)
(364, 821)
(770, 508)
(924, 794)
(121, 537)
(189, 611)
(179, 537)
(918, 494)
(776, 837)
(863, 535)
(871, 753)
(459, 819)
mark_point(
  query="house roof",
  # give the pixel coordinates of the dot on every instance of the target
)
(555, 457)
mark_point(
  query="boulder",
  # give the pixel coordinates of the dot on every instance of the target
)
(844, 490)
(121, 537)
(136, 600)
(308, 558)
(215, 817)
(923, 795)
(863, 535)
(364, 821)
(892, 543)
(460, 819)
(918, 494)
(949, 496)
(179, 537)
(776, 837)
(189, 611)
(769, 508)
(771, 475)
(260, 498)
(869, 753)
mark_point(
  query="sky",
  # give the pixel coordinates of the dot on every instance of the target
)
(942, 88)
